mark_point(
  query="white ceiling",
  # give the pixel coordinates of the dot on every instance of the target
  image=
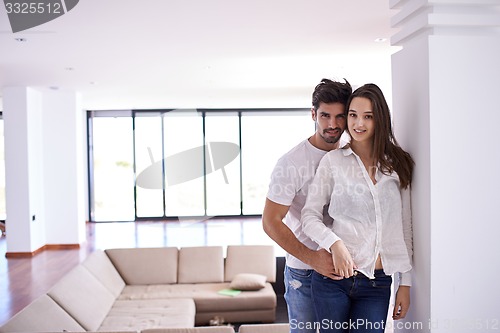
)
(122, 54)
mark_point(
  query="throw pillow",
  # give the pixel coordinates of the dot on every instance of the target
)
(248, 282)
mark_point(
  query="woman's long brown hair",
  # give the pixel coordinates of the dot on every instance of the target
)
(386, 149)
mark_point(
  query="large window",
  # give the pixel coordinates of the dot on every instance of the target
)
(186, 164)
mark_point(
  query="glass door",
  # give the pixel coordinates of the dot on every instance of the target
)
(112, 158)
(184, 163)
(149, 157)
(222, 137)
(265, 137)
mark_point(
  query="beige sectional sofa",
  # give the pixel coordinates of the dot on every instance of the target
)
(140, 289)
(246, 328)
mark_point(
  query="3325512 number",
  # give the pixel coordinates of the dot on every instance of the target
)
(33, 8)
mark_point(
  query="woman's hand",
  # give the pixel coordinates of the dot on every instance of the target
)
(321, 262)
(342, 261)
(402, 303)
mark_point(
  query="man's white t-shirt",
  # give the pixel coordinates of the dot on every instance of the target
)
(289, 184)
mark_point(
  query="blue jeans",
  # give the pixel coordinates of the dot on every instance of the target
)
(356, 304)
(299, 300)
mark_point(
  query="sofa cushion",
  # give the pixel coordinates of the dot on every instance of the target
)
(205, 296)
(257, 259)
(265, 328)
(83, 297)
(202, 264)
(42, 315)
(102, 268)
(208, 300)
(248, 281)
(145, 265)
(201, 329)
(154, 313)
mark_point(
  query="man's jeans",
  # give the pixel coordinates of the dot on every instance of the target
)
(299, 300)
(356, 304)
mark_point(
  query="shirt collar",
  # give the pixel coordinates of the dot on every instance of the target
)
(347, 150)
(314, 149)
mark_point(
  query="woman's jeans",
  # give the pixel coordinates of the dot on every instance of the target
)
(356, 304)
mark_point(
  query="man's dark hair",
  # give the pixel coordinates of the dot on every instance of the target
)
(328, 91)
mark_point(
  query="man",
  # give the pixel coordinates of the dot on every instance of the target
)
(287, 193)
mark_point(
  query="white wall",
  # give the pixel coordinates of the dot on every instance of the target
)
(44, 169)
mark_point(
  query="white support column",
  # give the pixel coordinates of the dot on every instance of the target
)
(25, 220)
(45, 188)
(64, 168)
(446, 114)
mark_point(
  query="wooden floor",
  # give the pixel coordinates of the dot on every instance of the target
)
(22, 280)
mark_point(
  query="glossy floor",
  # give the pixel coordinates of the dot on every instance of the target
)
(24, 279)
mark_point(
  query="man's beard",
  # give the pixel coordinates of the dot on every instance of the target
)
(331, 139)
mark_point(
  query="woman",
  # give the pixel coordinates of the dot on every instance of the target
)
(366, 186)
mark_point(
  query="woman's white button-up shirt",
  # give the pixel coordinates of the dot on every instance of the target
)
(371, 219)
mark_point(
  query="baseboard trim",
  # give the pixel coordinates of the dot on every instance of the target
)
(49, 247)
(62, 247)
